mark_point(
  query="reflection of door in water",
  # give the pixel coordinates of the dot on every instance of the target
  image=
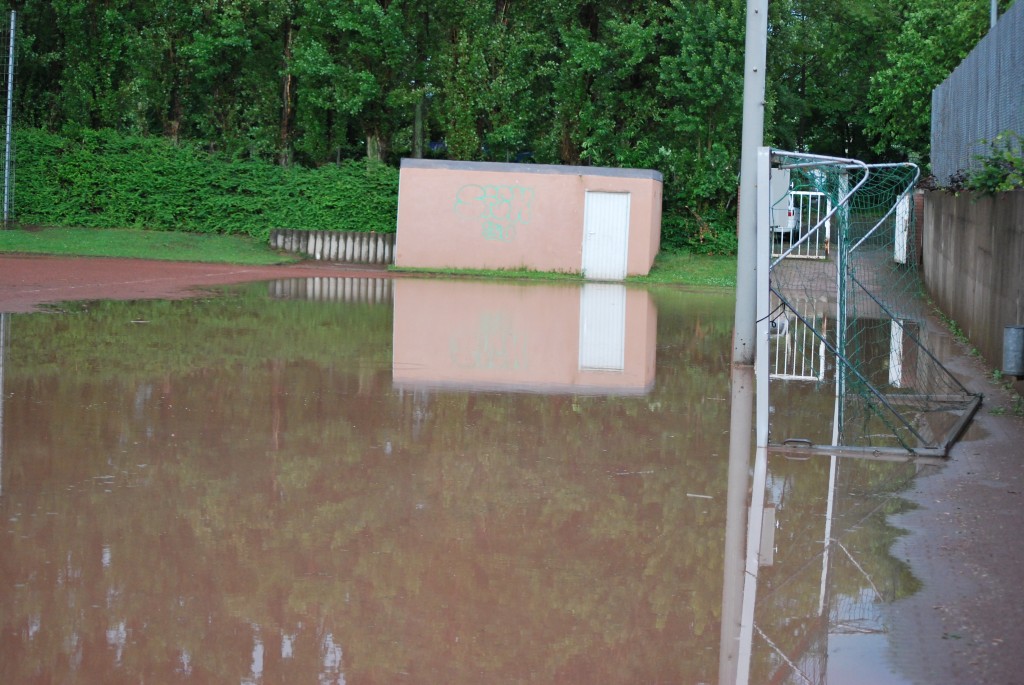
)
(605, 235)
(603, 327)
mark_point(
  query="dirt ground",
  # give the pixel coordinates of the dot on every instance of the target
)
(964, 539)
(29, 281)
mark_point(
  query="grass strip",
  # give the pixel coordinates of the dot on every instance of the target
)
(675, 268)
(139, 244)
(686, 268)
(490, 274)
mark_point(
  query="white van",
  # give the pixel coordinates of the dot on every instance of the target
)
(785, 222)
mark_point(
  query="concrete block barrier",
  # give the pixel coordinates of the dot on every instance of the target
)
(336, 246)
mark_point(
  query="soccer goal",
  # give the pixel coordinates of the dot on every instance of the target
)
(852, 323)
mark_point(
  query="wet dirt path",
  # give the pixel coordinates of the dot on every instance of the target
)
(966, 624)
(29, 281)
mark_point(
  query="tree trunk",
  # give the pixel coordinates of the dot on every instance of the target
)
(376, 149)
(172, 125)
(417, 131)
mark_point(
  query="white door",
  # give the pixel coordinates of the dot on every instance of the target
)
(605, 235)
(603, 327)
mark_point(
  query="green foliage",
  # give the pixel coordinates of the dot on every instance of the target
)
(1002, 169)
(712, 234)
(934, 36)
(822, 56)
(102, 179)
(651, 85)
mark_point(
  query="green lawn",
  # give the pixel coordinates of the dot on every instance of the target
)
(672, 268)
(685, 268)
(132, 243)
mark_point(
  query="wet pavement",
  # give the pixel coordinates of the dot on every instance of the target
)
(358, 480)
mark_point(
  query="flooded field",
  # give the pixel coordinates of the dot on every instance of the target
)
(371, 481)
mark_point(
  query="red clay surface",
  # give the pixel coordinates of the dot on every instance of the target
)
(29, 281)
(964, 541)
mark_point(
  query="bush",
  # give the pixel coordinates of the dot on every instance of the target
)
(102, 179)
(711, 233)
(1002, 169)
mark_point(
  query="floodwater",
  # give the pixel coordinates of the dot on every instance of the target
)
(415, 481)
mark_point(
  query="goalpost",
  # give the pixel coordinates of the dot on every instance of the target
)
(862, 309)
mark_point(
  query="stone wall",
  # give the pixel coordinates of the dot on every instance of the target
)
(974, 264)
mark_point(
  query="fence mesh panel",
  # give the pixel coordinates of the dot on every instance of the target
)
(864, 304)
(981, 99)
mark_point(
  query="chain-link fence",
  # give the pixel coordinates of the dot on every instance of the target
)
(982, 98)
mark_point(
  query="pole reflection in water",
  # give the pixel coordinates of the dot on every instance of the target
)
(244, 489)
(740, 444)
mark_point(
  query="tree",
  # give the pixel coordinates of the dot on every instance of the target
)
(822, 56)
(654, 84)
(934, 37)
(701, 87)
(363, 65)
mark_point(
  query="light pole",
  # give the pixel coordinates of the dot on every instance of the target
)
(754, 66)
(8, 157)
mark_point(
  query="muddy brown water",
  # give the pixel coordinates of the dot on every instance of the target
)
(346, 481)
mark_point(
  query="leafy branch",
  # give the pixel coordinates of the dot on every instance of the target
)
(1002, 169)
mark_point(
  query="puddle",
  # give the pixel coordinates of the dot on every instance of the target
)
(433, 482)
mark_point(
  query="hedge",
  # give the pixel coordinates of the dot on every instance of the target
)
(102, 179)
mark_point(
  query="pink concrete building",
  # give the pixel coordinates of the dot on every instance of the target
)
(603, 223)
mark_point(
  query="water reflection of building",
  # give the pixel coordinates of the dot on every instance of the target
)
(599, 337)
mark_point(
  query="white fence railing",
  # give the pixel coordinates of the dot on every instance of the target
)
(337, 246)
(809, 234)
(797, 353)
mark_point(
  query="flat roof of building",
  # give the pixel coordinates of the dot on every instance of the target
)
(508, 167)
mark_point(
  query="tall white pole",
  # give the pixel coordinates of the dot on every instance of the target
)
(10, 124)
(738, 594)
(993, 14)
(754, 65)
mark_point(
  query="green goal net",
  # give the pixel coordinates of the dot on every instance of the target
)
(849, 318)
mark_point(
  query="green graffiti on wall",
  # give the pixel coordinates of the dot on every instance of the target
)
(499, 208)
(494, 344)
